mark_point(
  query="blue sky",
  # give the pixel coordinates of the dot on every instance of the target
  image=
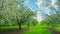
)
(31, 4)
(40, 6)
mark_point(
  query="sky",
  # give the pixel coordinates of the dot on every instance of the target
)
(31, 4)
(39, 4)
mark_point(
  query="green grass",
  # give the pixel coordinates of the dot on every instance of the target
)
(5, 28)
(37, 30)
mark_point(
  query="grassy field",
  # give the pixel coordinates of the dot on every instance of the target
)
(38, 29)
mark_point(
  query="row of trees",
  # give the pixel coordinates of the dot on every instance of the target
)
(12, 14)
(53, 18)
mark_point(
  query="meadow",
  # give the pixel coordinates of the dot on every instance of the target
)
(37, 29)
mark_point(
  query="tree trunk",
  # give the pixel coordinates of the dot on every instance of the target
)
(20, 26)
(28, 25)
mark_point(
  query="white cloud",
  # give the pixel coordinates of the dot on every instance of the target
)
(42, 3)
(39, 18)
(39, 3)
(53, 2)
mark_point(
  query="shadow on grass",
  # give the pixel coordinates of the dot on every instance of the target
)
(53, 31)
(12, 30)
